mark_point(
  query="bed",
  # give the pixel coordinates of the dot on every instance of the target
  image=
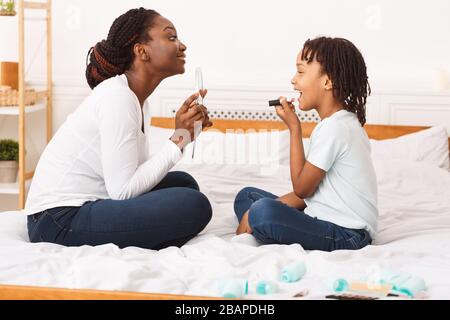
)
(413, 178)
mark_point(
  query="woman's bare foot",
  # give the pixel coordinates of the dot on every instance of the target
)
(244, 227)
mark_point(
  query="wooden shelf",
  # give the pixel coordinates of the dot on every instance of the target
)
(9, 188)
(14, 110)
(13, 188)
(35, 5)
(44, 98)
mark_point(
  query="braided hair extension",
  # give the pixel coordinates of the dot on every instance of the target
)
(344, 64)
(114, 55)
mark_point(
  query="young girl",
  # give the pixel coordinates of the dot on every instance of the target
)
(334, 202)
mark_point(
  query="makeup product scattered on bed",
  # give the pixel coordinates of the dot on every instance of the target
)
(349, 296)
(403, 284)
(301, 294)
(266, 287)
(293, 272)
(198, 88)
(342, 285)
(233, 288)
(411, 287)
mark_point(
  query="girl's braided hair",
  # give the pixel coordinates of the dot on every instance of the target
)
(344, 64)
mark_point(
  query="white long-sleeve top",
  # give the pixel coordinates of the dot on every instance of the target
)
(100, 152)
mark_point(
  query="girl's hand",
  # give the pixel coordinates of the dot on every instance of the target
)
(286, 112)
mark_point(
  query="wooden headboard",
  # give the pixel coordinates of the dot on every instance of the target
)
(377, 132)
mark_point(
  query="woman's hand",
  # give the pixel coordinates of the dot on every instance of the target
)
(187, 117)
(286, 112)
(206, 123)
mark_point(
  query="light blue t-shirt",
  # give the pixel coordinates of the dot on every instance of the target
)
(347, 195)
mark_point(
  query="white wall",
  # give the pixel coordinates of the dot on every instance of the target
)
(254, 43)
(246, 46)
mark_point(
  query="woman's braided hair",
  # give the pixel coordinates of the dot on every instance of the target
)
(114, 55)
(344, 64)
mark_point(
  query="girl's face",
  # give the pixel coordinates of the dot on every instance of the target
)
(166, 51)
(310, 82)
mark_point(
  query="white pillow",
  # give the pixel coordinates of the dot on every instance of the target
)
(429, 145)
(285, 150)
(214, 147)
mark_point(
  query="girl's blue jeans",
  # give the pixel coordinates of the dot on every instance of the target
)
(274, 222)
(169, 215)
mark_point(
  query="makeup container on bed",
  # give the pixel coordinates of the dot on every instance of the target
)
(233, 288)
(342, 285)
(293, 272)
(266, 287)
(403, 283)
(411, 287)
(389, 283)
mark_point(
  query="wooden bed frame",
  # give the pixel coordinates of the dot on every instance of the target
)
(378, 132)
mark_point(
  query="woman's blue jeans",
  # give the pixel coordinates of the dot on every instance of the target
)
(274, 222)
(169, 215)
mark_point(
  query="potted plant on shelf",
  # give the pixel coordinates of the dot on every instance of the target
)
(9, 156)
(7, 8)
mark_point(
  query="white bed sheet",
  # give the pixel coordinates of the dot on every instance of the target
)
(414, 237)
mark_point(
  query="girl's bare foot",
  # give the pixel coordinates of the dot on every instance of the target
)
(244, 227)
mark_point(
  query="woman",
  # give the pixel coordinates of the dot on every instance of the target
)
(94, 183)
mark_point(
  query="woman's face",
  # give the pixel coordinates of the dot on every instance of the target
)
(309, 81)
(166, 51)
